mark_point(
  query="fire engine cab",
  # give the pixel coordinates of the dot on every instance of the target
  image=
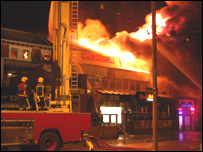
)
(51, 128)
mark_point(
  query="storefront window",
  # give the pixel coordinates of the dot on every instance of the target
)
(111, 110)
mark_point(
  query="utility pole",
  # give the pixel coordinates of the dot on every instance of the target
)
(154, 74)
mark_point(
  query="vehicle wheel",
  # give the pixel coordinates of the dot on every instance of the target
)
(49, 142)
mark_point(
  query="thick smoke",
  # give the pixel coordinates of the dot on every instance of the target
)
(181, 46)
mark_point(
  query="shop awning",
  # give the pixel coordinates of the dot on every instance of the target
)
(117, 92)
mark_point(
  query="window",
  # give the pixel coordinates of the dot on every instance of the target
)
(132, 84)
(14, 53)
(105, 83)
(138, 85)
(119, 83)
(25, 54)
(46, 57)
(113, 84)
(125, 84)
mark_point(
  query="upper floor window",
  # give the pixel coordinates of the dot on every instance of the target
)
(14, 53)
(125, 84)
(46, 57)
(119, 83)
(113, 84)
(132, 84)
(138, 85)
(19, 53)
(105, 83)
(25, 54)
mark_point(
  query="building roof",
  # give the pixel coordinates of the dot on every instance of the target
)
(21, 36)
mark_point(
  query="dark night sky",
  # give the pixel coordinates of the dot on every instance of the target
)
(32, 16)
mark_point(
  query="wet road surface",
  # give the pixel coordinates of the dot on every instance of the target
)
(178, 141)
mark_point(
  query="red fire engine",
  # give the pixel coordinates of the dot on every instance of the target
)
(49, 129)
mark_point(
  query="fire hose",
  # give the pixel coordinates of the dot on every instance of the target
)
(93, 141)
(101, 144)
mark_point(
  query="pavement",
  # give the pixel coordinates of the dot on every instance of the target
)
(176, 141)
(169, 141)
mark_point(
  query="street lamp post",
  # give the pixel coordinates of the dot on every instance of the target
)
(154, 74)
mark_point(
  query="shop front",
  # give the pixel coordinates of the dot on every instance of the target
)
(186, 113)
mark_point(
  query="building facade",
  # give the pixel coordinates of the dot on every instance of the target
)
(104, 83)
(23, 54)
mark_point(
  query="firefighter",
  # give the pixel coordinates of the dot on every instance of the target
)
(40, 92)
(22, 93)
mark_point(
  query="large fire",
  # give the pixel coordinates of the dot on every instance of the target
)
(145, 32)
(110, 47)
(94, 36)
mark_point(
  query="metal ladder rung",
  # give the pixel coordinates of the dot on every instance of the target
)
(74, 49)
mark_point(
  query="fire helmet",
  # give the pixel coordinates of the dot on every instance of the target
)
(24, 79)
(40, 80)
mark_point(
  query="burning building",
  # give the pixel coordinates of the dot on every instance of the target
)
(114, 71)
(119, 67)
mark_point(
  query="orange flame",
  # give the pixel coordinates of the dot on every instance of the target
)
(145, 32)
(25, 55)
(95, 37)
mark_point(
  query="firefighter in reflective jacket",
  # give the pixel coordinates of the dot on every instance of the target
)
(40, 90)
(22, 93)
